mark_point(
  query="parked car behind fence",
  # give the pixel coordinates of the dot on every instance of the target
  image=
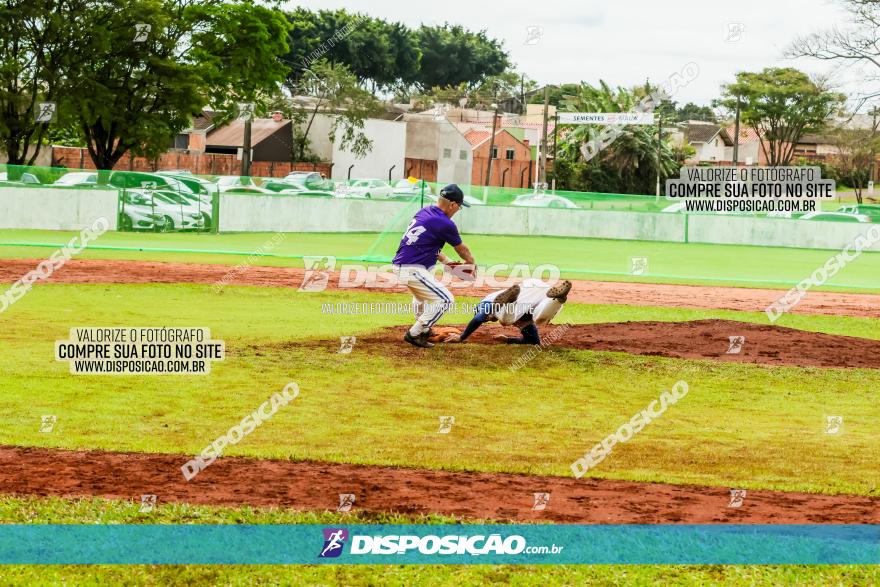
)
(160, 211)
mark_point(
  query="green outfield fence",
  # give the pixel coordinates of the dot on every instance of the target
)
(180, 180)
(480, 195)
(185, 210)
(139, 190)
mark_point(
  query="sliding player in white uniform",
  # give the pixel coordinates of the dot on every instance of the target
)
(525, 306)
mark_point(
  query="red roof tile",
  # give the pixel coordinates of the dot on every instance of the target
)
(475, 137)
(746, 134)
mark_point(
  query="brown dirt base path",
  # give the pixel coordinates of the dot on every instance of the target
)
(316, 486)
(697, 339)
(587, 292)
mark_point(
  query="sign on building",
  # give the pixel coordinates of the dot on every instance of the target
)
(606, 118)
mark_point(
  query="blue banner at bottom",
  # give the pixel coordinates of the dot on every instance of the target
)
(440, 544)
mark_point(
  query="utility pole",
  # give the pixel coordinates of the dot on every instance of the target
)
(555, 135)
(659, 144)
(246, 113)
(874, 113)
(543, 165)
(246, 150)
(491, 148)
(736, 135)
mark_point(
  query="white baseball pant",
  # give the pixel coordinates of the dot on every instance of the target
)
(532, 299)
(431, 299)
(542, 313)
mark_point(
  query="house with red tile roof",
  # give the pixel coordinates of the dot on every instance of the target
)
(511, 158)
(713, 143)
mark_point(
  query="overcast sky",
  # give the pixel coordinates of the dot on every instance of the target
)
(625, 41)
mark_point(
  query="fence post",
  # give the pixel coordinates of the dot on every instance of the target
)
(215, 212)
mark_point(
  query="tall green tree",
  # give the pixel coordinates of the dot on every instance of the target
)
(628, 164)
(691, 111)
(858, 43)
(857, 150)
(556, 94)
(41, 60)
(380, 54)
(665, 108)
(390, 56)
(407, 54)
(305, 36)
(781, 105)
(239, 49)
(137, 94)
(143, 89)
(510, 86)
(331, 90)
(371, 54)
(452, 55)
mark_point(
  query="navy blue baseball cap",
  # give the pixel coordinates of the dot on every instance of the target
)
(453, 193)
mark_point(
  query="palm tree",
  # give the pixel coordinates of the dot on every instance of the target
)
(628, 163)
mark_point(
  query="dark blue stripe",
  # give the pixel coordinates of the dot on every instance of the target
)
(441, 293)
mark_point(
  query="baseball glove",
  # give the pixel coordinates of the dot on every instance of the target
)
(464, 271)
(441, 333)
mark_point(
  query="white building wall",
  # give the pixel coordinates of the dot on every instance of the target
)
(389, 149)
(710, 151)
(749, 153)
(319, 136)
(422, 136)
(453, 169)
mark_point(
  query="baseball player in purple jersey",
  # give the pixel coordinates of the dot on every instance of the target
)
(419, 250)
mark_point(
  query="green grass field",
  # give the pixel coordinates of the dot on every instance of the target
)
(605, 260)
(715, 438)
(746, 426)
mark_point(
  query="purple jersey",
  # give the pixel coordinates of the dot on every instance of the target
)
(429, 230)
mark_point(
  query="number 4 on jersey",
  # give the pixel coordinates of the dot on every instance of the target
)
(413, 232)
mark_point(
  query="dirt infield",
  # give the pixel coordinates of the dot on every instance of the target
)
(697, 339)
(588, 292)
(316, 486)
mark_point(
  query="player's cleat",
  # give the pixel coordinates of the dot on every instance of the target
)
(419, 341)
(508, 296)
(560, 291)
